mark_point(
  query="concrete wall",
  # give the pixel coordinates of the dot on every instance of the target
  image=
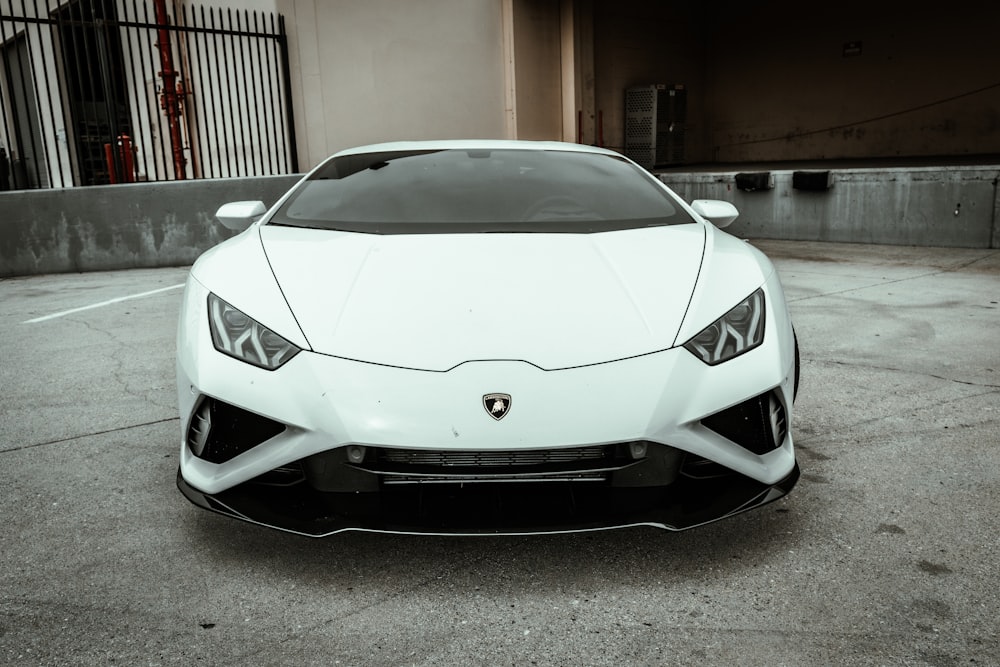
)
(170, 224)
(950, 207)
(383, 70)
(120, 226)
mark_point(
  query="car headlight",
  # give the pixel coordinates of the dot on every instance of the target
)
(236, 334)
(736, 332)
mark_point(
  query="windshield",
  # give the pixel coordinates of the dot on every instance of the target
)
(450, 191)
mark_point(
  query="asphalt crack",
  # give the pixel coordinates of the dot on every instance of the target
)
(122, 374)
(951, 269)
(87, 435)
(968, 383)
(881, 283)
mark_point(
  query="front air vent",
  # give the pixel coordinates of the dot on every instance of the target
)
(491, 459)
(219, 431)
(576, 464)
(759, 424)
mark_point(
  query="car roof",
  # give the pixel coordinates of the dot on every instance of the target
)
(474, 144)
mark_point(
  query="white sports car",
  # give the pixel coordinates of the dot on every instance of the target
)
(468, 337)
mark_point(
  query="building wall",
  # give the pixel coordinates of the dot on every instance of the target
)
(638, 43)
(764, 81)
(768, 81)
(919, 80)
(383, 70)
(537, 69)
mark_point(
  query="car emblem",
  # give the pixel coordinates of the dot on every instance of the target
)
(497, 405)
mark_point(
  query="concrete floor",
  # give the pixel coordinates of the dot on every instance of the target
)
(886, 553)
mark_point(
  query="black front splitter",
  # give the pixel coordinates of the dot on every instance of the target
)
(491, 509)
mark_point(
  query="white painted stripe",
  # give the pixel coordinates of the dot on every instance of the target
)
(102, 303)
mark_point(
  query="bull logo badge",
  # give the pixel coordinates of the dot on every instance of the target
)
(497, 405)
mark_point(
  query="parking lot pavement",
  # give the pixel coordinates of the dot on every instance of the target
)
(886, 553)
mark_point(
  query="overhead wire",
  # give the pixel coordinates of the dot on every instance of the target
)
(845, 126)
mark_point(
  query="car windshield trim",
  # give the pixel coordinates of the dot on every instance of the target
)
(460, 191)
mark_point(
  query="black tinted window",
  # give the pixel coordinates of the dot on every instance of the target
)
(479, 190)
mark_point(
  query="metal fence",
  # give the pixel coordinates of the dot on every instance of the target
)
(114, 91)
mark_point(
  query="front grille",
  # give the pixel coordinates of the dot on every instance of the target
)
(758, 424)
(219, 431)
(490, 459)
(419, 466)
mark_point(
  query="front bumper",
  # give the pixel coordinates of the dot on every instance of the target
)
(296, 477)
(491, 510)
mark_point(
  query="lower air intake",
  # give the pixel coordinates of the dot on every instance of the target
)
(219, 431)
(758, 424)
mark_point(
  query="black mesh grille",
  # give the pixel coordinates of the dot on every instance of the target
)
(577, 464)
(758, 424)
(220, 431)
(491, 458)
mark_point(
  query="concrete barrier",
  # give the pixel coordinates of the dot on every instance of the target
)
(171, 223)
(924, 206)
(120, 226)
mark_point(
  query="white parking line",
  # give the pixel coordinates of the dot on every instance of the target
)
(102, 303)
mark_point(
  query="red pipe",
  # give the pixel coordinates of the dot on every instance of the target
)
(109, 156)
(121, 168)
(170, 98)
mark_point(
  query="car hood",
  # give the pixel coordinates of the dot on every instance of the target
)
(434, 301)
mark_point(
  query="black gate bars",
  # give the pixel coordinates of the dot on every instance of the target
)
(94, 92)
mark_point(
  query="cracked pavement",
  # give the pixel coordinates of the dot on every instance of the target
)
(886, 553)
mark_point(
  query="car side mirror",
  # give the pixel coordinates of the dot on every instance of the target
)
(719, 213)
(239, 215)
